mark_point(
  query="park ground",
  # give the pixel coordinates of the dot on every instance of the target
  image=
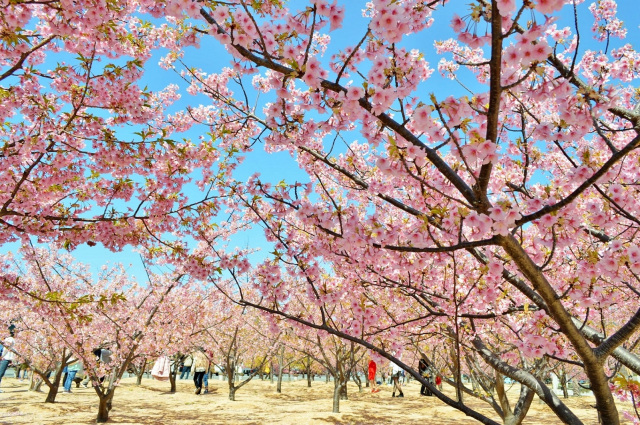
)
(256, 403)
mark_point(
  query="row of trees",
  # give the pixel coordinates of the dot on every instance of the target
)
(60, 314)
(497, 221)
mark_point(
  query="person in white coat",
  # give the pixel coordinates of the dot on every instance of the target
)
(396, 371)
(7, 356)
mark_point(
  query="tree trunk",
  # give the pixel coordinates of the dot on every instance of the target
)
(172, 382)
(308, 380)
(563, 384)
(591, 359)
(36, 383)
(53, 389)
(457, 370)
(576, 389)
(337, 391)
(104, 406)
(501, 394)
(525, 378)
(231, 378)
(358, 381)
(280, 367)
(343, 391)
(140, 372)
(279, 385)
(173, 374)
(522, 407)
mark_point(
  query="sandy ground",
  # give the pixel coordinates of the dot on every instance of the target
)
(256, 403)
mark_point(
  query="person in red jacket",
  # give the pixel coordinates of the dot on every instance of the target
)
(372, 376)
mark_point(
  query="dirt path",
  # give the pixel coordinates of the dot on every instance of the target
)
(256, 403)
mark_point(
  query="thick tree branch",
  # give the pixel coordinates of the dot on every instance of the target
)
(619, 337)
(525, 378)
(495, 95)
(385, 119)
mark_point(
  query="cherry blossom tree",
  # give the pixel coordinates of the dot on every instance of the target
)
(176, 324)
(340, 359)
(507, 207)
(236, 338)
(38, 345)
(125, 327)
(90, 154)
(287, 356)
(110, 313)
(59, 297)
(514, 201)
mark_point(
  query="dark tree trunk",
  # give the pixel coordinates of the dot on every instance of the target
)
(358, 381)
(307, 370)
(173, 373)
(279, 384)
(343, 391)
(231, 377)
(563, 384)
(104, 406)
(140, 371)
(54, 387)
(457, 370)
(522, 407)
(172, 382)
(344, 381)
(513, 416)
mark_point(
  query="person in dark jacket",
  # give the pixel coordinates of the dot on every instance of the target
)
(425, 372)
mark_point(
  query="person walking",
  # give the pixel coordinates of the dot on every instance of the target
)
(73, 368)
(209, 356)
(102, 356)
(199, 365)
(372, 376)
(396, 371)
(205, 381)
(7, 356)
(439, 382)
(425, 372)
(186, 368)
